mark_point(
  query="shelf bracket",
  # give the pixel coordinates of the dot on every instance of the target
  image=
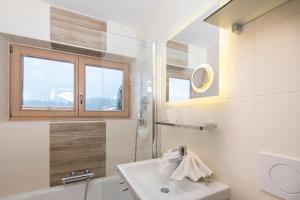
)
(237, 28)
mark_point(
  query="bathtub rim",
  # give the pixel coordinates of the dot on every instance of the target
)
(28, 194)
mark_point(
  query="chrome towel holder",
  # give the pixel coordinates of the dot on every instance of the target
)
(203, 126)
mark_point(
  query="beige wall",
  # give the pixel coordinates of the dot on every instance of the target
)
(260, 108)
(24, 153)
(28, 18)
(120, 144)
(24, 146)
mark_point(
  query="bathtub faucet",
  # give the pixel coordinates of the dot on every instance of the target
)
(75, 177)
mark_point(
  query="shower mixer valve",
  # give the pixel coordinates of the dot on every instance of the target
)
(74, 177)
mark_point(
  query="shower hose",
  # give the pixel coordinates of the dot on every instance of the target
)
(86, 188)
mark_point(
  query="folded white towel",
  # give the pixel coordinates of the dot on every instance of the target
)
(165, 167)
(170, 154)
(191, 167)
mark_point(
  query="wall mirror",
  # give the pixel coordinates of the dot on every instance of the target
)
(193, 61)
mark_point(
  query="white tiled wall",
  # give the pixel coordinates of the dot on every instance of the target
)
(260, 109)
(120, 144)
(29, 18)
(24, 156)
(24, 146)
(238, 63)
(272, 75)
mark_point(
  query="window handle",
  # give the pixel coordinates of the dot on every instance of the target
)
(81, 97)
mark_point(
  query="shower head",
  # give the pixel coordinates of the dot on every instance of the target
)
(144, 103)
(143, 106)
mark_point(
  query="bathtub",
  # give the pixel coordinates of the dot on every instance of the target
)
(108, 188)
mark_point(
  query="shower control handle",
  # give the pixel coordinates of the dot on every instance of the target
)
(73, 173)
(74, 177)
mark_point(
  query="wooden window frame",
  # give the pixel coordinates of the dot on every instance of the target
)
(16, 81)
(79, 61)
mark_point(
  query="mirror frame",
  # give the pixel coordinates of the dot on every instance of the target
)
(210, 78)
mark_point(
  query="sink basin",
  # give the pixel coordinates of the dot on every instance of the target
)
(146, 181)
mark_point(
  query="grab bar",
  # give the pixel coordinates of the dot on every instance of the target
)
(75, 178)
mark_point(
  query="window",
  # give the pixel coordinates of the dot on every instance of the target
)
(178, 83)
(179, 89)
(104, 88)
(54, 90)
(49, 84)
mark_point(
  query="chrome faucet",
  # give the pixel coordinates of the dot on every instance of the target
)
(74, 177)
(182, 151)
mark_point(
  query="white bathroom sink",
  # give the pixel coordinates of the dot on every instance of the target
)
(146, 181)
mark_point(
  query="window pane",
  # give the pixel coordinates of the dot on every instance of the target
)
(47, 84)
(179, 89)
(104, 89)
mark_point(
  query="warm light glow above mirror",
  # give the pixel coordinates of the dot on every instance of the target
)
(194, 52)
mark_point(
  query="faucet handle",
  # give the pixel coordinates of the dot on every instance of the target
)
(73, 173)
(182, 150)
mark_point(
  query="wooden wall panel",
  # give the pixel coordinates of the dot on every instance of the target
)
(177, 53)
(77, 30)
(75, 147)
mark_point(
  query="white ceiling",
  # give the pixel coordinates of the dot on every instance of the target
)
(126, 12)
(200, 33)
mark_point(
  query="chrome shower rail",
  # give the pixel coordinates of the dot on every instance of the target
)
(73, 177)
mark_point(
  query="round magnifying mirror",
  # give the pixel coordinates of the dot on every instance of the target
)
(202, 78)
